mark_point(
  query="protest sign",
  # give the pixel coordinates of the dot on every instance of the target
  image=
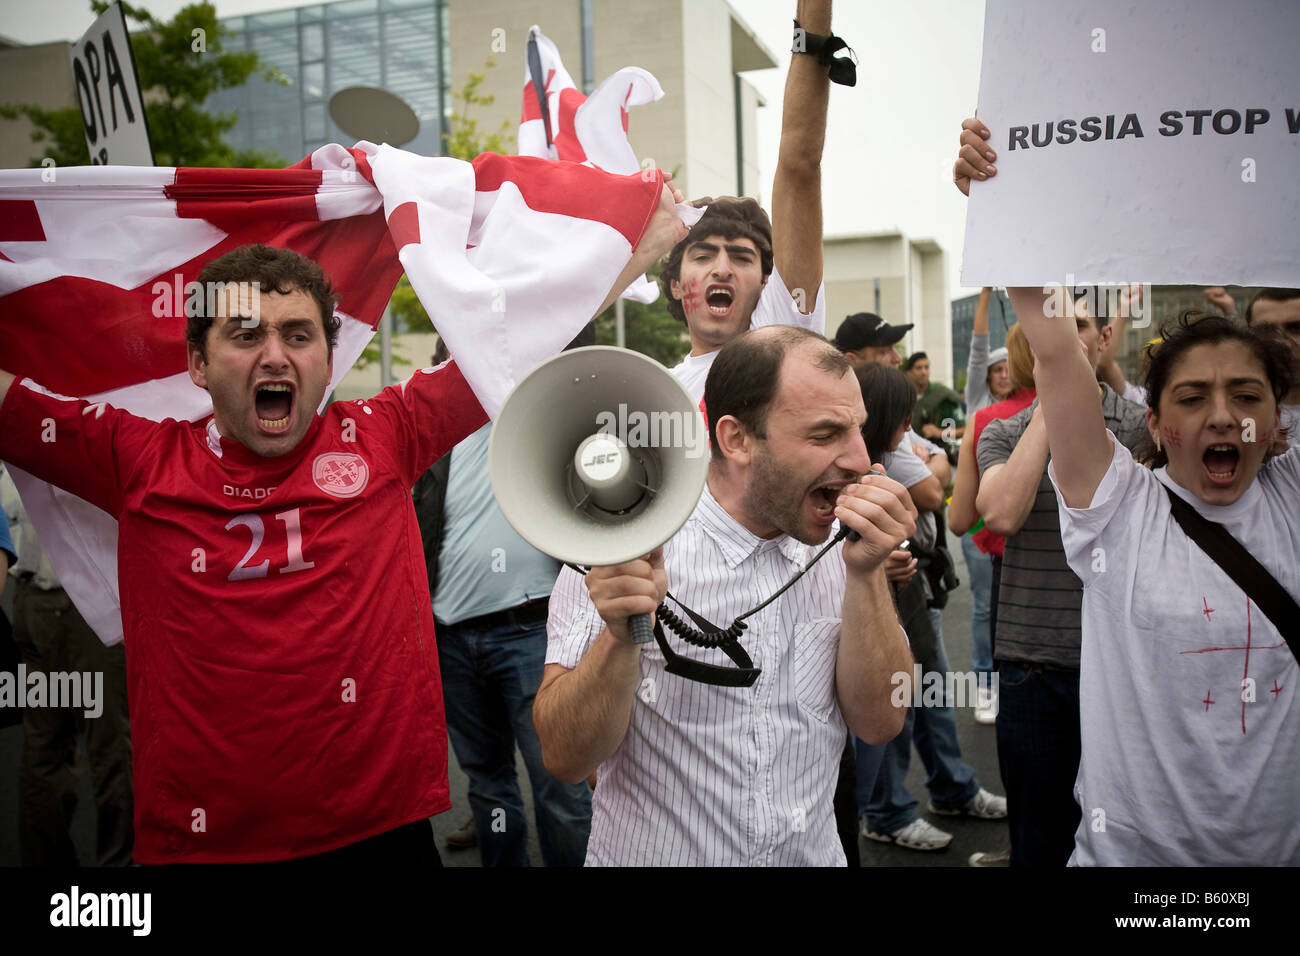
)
(1139, 142)
(108, 92)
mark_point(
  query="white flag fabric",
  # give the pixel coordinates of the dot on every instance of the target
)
(95, 262)
(587, 129)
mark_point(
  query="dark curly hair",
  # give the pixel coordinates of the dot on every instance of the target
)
(730, 218)
(274, 270)
(1193, 328)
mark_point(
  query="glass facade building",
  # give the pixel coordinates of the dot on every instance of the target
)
(396, 45)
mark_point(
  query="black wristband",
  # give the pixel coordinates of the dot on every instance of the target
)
(843, 70)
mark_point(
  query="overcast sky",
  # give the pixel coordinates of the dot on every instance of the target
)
(891, 140)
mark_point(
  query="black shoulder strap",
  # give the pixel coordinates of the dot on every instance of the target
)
(1240, 565)
(742, 675)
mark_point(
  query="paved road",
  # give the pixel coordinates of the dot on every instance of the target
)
(978, 747)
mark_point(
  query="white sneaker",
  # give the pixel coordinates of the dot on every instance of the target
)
(918, 835)
(982, 806)
(986, 706)
(994, 858)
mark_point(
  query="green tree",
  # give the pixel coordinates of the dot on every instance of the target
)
(181, 63)
(463, 139)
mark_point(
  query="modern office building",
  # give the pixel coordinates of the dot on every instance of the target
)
(396, 45)
(424, 50)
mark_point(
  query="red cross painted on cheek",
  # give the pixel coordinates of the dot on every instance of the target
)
(691, 296)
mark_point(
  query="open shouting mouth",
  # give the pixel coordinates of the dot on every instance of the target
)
(273, 403)
(719, 298)
(823, 498)
(1221, 462)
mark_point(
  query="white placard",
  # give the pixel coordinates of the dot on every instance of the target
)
(1174, 147)
(108, 92)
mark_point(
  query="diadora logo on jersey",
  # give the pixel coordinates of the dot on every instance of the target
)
(340, 474)
(255, 494)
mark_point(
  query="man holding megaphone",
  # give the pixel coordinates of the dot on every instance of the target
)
(740, 772)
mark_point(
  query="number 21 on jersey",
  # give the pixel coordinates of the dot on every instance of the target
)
(293, 532)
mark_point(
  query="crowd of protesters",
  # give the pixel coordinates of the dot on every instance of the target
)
(1096, 520)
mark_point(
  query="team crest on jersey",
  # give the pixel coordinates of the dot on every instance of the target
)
(340, 474)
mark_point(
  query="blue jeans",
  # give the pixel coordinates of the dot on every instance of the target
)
(1038, 753)
(980, 567)
(489, 678)
(883, 797)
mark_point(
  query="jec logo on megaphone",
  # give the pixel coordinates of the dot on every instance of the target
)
(660, 429)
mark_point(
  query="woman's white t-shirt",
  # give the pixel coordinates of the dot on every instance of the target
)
(1187, 695)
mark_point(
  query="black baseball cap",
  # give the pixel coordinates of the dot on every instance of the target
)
(864, 330)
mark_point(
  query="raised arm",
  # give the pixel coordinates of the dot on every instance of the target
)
(962, 513)
(581, 715)
(664, 231)
(1068, 389)
(872, 645)
(1007, 491)
(977, 365)
(1067, 393)
(797, 186)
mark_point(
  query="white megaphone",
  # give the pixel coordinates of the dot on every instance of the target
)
(598, 456)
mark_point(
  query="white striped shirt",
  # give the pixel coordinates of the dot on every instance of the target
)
(723, 776)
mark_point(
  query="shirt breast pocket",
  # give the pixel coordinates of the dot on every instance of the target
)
(816, 644)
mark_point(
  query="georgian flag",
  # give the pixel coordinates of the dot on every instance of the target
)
(584, 129)
(94, 263)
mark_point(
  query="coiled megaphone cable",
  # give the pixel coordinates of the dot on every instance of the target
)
(641, 632)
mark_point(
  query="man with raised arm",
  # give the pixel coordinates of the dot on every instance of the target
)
(735, 270)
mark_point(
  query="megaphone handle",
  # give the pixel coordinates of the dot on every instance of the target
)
(638, 628)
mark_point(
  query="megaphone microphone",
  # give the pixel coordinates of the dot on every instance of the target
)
(598, 457)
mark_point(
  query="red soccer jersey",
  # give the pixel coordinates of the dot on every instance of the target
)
(281, 665)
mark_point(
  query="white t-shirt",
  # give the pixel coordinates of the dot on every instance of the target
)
(1178, 769)
(903, 465)
(1290, 416)
(775, 307)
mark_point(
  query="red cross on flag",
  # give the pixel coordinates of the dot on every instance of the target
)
(583, 129)
(95, 264)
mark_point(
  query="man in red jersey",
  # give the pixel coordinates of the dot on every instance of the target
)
(282, 672)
